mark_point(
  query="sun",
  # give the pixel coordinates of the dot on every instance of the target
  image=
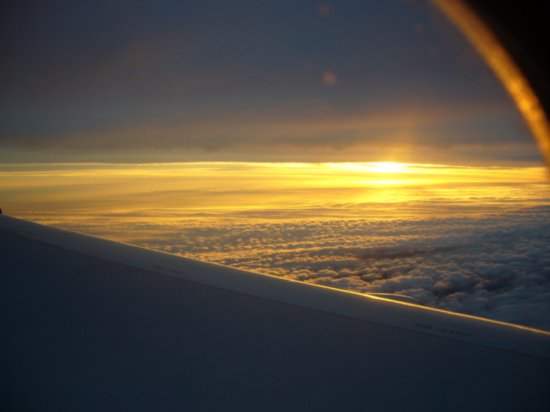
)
(371, 167)
(387, 167)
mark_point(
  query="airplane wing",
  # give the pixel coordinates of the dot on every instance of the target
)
(94, 325)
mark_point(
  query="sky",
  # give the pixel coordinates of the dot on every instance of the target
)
(308, 81)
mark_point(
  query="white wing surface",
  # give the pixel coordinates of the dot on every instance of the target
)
(94, 325)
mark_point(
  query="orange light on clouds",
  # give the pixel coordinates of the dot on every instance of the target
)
(301, 189)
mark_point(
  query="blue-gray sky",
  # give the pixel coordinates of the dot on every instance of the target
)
(248, 80)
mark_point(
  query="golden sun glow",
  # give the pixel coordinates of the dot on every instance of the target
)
(297, 189)
(370, 167)
(388, 167)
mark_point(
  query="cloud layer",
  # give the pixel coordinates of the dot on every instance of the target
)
(474, 240)
(495, 266)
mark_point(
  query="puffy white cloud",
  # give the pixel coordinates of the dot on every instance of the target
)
(496, 266)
